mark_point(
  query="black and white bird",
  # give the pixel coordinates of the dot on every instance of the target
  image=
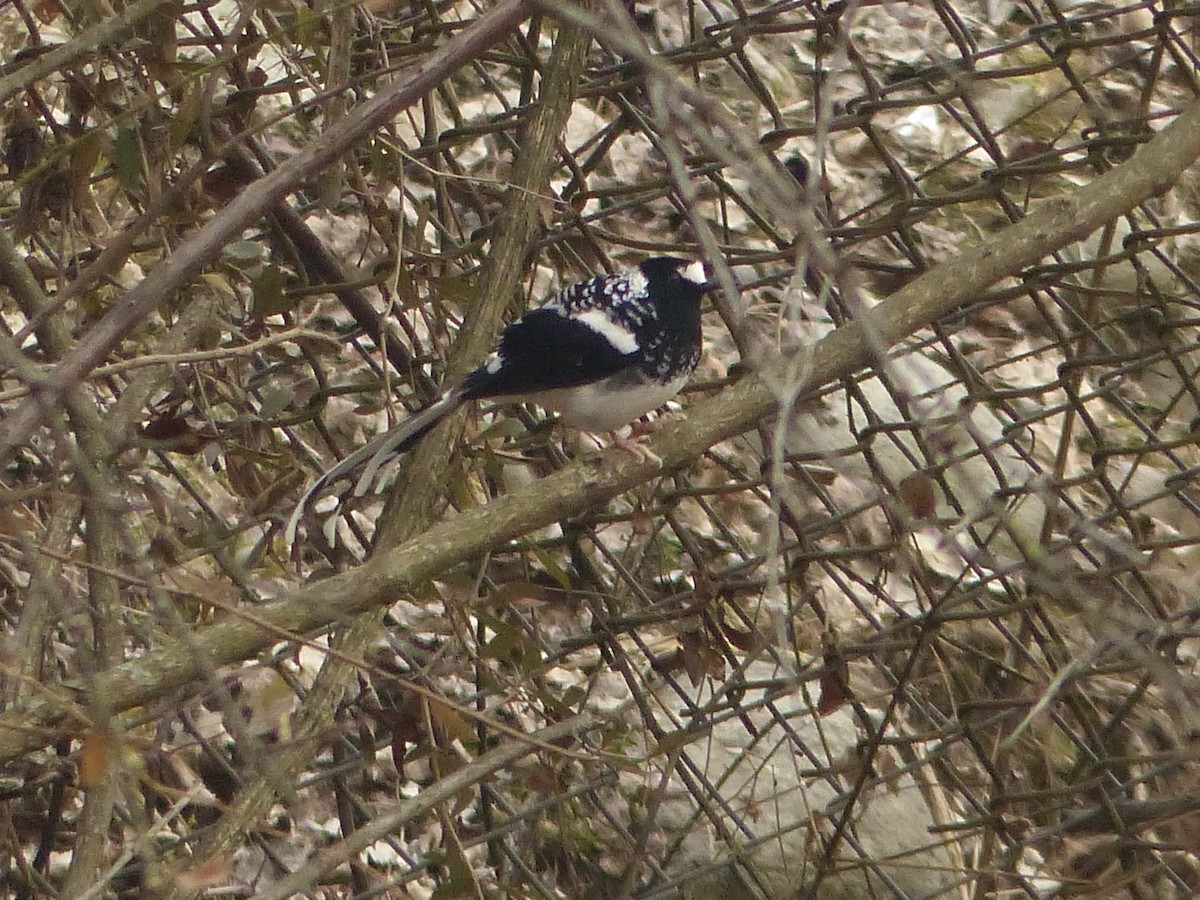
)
(602, 353)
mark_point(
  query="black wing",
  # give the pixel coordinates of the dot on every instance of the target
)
(544, 350)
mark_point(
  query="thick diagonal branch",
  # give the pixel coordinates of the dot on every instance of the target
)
(1050, 226)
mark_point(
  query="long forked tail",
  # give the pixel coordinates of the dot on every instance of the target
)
(370, 457)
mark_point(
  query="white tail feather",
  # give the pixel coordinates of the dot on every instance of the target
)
(373, 455)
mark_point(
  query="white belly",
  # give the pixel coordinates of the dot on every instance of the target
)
(608, 405)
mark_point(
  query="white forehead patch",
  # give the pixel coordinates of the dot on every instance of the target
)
(615, 333)
(693, 272)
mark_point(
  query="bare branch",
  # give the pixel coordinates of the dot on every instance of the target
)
(1051, 225)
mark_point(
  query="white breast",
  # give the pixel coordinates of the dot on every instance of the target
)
(610, 404)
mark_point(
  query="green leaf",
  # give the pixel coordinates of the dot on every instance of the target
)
(127, 159)
(269, 297)
(460, 880)
(553, 569)
(503, 643)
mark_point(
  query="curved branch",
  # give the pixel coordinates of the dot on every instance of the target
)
(1050, 226)
(109, 31)
(171, 275)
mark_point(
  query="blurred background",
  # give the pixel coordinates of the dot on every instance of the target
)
(929, 632)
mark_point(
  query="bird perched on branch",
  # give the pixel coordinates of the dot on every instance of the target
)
(602, 353)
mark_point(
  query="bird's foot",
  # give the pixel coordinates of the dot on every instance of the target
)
(634, 443)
